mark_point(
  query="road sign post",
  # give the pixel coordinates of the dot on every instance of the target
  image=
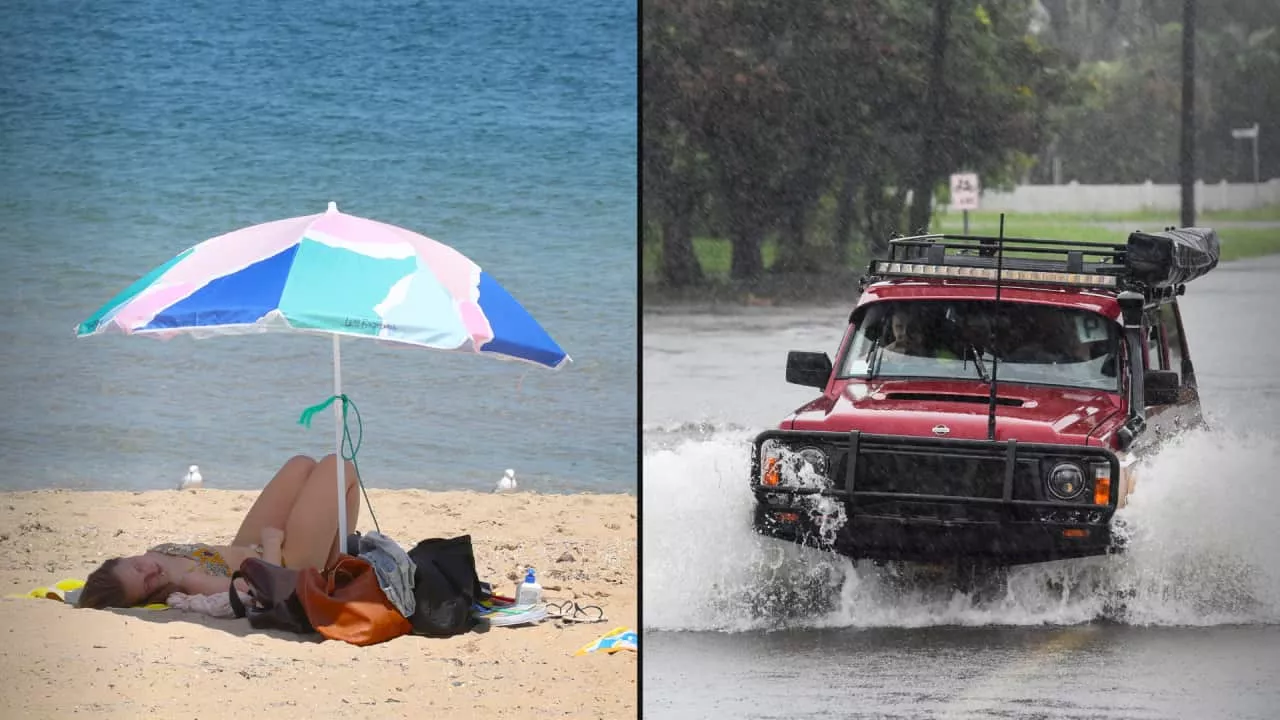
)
(965, 191)
(1250, 133)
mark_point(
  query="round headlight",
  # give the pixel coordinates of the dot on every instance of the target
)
(815, 458)
(805, 467)
(1066, 481)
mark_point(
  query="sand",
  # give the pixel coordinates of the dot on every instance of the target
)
(58, 660)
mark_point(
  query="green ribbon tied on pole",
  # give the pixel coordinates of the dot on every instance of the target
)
(347, 443)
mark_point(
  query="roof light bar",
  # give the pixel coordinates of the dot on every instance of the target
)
(961, 272)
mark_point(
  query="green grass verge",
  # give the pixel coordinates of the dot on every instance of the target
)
(1033, 226)
(713, 253)
(1144, 217)
(1237, 242)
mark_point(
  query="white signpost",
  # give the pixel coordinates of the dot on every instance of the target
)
(965, 191)
(1250, 133)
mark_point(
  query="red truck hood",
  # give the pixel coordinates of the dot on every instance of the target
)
(915, 408)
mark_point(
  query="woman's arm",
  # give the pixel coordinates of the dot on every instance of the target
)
(199, 583)
(273, 545)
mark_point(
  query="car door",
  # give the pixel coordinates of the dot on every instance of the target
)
(1166, 349)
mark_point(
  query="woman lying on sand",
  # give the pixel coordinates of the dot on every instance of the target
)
(292, 523)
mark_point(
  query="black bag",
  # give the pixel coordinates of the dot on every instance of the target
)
(445, 586)
(275, 597)
(1172, 257)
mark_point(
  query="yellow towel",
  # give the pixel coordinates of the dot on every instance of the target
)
(617, 639)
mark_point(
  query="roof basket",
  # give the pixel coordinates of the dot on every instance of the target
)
(1148, 262)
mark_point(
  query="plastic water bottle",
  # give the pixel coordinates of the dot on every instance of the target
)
(529, 592)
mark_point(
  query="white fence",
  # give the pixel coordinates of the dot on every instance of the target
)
(1075, 198)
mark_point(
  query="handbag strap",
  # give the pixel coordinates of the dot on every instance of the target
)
(237, 605)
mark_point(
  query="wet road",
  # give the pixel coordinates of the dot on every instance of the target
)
(742, 626)
(1089, 671)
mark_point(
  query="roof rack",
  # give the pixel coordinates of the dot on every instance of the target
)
(1155, 264)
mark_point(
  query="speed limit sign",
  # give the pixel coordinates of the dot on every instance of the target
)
(965, 190)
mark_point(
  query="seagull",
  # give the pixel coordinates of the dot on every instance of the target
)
(192, 480)
(508, 481)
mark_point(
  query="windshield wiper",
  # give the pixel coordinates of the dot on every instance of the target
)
(977, 362)
(875, 354)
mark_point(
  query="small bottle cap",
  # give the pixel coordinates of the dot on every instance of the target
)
(529, 576)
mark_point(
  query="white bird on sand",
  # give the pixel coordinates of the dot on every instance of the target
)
(508, 481)
(192, 480)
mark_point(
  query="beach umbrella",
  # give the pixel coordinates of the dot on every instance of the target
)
(330, 274)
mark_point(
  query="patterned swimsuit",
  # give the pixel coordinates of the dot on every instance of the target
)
(209, 560)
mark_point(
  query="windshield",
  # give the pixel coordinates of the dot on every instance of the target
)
(1037, 344)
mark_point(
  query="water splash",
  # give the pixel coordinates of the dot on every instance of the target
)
(1202, 550)
(1201, 527)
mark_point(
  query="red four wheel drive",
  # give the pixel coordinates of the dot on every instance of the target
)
(988, 400)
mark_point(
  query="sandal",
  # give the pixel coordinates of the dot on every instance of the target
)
(571, 611)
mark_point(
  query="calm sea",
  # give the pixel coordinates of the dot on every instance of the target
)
(132, 130)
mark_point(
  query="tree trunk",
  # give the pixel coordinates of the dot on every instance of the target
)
(791, 251)
(746, 262)
(929, 166)
(845, 219)
(881, 214)
(680, 266)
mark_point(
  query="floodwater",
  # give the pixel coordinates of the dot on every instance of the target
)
(741, 626)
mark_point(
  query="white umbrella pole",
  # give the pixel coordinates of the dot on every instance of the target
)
(337, 434)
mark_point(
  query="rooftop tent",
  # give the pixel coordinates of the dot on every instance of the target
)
(1171, 257)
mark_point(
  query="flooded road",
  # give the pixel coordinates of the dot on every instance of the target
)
(1087, 671)
(743, 626)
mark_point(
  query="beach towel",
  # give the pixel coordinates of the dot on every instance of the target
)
(617, 639)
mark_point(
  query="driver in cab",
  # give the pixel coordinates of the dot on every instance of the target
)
(909, 337)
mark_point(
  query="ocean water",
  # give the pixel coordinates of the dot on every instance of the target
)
(131, 131)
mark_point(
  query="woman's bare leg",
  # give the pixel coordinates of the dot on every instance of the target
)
(311, 530)
(272, 507)
(353, 516)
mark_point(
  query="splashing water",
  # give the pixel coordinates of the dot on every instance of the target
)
(1201, 550)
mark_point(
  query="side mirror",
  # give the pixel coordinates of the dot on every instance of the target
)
(810, 369)
(1160, 387)
(1130, 431)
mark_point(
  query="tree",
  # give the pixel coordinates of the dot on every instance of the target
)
(673, 175)
(992, 89)
(1123, 127)
(760, 117)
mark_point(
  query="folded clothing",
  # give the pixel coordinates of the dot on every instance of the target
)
(217, 605)
(393, 567)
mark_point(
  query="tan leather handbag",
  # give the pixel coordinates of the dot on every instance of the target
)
(346, 603)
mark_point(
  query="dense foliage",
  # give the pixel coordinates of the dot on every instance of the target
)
(815, 122)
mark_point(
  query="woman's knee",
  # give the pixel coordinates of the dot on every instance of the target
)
(330, 464)
(303, 462)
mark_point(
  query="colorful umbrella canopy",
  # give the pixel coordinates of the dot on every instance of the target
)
(333, 274)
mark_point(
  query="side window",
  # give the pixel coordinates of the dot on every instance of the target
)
(1173, 338)
(1154, 350)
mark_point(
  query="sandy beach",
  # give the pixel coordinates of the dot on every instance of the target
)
(58, 660)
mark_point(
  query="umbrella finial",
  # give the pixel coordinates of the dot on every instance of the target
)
(333, 206)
